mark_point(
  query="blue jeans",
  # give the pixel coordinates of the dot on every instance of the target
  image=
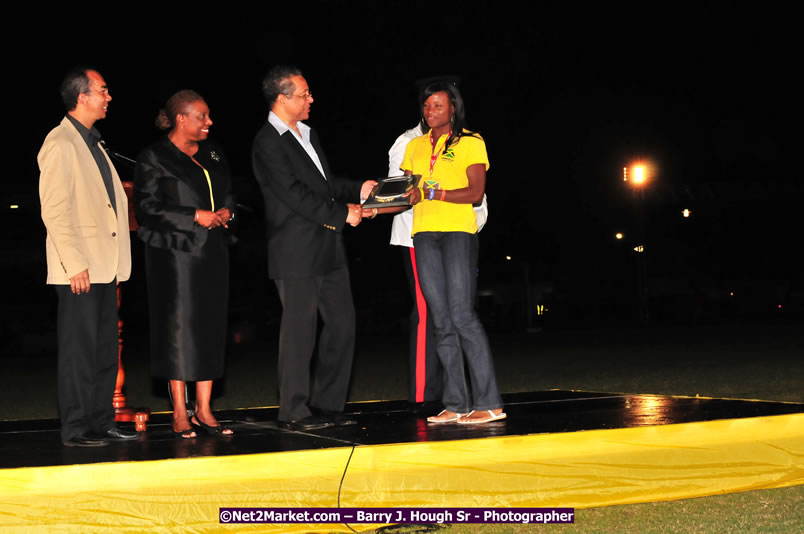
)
(447, 266)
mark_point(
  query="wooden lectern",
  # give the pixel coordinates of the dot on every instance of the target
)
(122, 412)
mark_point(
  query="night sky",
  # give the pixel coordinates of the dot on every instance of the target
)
(564, 101)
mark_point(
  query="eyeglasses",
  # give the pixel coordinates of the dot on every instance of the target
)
(303, 96)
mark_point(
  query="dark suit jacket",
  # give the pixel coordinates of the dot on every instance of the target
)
(169, 187)
(304, 213)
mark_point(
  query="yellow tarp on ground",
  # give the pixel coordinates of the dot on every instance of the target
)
(579, 469)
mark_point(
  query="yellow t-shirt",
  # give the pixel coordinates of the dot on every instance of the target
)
(449, 172)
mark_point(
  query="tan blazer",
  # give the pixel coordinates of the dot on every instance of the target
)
(83, 231)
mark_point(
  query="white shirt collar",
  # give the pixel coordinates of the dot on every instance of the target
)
(303, 139)
(282, 127)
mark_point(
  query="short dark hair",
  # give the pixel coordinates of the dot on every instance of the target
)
(176, 104)
(277, 82)
(75, 82)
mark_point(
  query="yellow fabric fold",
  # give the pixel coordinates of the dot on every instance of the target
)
(577, 469)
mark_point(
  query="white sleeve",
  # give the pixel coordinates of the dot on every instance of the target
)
(402, 224)
(482, 212)
(397, 151)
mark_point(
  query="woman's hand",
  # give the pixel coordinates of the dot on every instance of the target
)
(472, 194)
(370, 213)
(414, 196)
(225, 216)
(208, 219)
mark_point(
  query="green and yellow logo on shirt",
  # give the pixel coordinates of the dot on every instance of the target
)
(432, 184)
(448, 154)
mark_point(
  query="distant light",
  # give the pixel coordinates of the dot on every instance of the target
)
(639, 248)
(618, 235)
(639, 174)
(779, 306)
(508, 258)
(14, 206)
(731, 293)
(686, 213)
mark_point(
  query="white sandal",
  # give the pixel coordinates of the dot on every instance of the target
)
(492, 417)
(437, 419)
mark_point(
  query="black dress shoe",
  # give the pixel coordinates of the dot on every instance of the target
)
(116, 434)
(312, 422)
(336, 418)
(85, 441)
(339, 419)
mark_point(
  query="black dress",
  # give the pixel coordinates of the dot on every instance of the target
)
(187, 265)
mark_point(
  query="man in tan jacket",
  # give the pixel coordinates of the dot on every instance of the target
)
(85, 212)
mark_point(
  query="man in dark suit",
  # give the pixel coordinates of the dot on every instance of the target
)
(85, 211)
(306, 208)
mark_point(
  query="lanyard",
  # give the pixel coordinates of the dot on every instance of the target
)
(434, 154)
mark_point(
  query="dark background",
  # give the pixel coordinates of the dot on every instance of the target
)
(564, 100)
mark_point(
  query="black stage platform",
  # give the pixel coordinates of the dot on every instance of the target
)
(37, 443)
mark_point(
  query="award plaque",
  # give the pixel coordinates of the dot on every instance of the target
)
(389, 191)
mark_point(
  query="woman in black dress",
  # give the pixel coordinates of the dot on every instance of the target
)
(183, 204)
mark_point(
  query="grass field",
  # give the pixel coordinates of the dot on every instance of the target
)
(747, 361)
(769, 511)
